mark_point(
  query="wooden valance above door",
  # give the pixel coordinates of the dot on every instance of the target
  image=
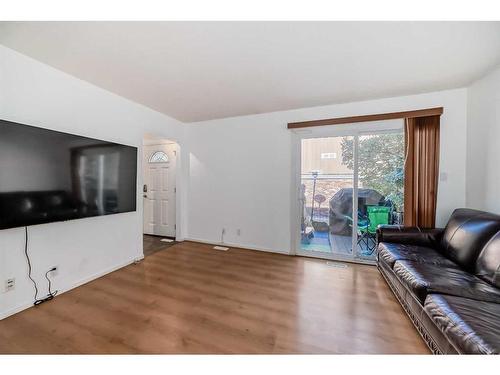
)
(366, 118)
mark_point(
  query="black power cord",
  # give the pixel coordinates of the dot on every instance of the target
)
(29, 262)
(51, 294)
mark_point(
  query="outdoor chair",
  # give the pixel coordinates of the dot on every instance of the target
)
(367, 228)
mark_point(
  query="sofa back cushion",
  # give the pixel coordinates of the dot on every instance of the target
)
(488, 261)
(466, 234)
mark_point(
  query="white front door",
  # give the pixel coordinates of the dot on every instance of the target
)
(159, 189)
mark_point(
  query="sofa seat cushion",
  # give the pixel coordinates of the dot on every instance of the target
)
(423, 279)
(470, 326)
(392, 252)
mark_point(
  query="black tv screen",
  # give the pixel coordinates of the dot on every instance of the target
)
(48, 176)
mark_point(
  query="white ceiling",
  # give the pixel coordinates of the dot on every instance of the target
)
(197, 71)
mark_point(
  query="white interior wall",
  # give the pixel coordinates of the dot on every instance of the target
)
(36, 94)
(483, 135)
(240, 168)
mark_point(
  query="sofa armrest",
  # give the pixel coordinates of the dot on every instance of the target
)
(410, 235)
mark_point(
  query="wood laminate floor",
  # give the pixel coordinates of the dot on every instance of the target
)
(192, 299)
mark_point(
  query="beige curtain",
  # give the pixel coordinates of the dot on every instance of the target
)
(421, 171)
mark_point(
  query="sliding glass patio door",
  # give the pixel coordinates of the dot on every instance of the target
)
(350, 180)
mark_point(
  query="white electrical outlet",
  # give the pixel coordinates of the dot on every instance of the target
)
(238, 232)
(10, 284)
(54, 270)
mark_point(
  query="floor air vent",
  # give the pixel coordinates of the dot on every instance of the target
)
(336, 264)
(221, 248)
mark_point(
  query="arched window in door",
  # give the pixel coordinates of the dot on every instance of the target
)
(158, 157)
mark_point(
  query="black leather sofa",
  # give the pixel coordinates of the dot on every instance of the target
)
(448, 280)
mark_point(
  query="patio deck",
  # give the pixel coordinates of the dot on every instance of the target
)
(334, 244)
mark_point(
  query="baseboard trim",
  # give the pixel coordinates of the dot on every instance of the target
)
(239, 246)
(27, 305)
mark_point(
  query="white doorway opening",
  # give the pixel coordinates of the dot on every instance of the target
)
(159, 190)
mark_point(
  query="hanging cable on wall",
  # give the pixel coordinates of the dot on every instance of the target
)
(50, 294)
(29, 263)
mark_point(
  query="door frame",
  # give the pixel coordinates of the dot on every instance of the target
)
(179, 184)
(355, 130)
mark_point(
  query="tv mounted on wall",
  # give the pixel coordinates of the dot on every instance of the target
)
(48, 176)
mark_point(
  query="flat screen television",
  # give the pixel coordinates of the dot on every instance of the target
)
(48, 176)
